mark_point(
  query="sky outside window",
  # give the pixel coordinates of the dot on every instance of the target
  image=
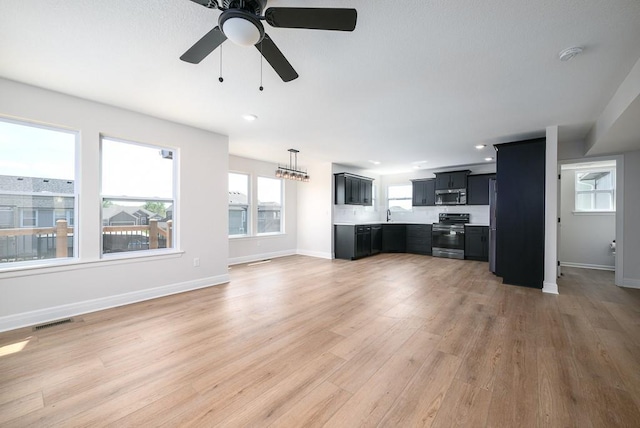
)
(30, 151)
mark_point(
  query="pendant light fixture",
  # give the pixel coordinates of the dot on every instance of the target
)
(292, 172)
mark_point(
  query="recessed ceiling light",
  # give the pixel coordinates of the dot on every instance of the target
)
(375, 162)
(481, 146)
(249, 117)
(569, 53)
(488, 159)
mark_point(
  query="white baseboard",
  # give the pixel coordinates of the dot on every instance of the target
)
(260, 257)
(318, 254)
(550, 287)
(631, 283)
(25, 319)
(588, 266)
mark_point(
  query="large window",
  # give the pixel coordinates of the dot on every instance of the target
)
(269, 205)
(238, 204)
(595, 190)
(138, 197)
(400, 197)
(37, 193)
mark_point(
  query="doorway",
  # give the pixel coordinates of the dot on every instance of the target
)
(590, 212)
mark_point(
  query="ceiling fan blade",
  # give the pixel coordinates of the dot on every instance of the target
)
(312, 18)
(272, 54)
(204, 46)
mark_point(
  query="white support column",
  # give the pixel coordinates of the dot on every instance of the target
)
(551, 212)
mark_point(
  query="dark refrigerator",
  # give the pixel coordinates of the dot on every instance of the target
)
(492, 224)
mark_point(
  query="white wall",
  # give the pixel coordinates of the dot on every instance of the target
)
(36, 295)
(315, 227)
(631, 210)
(584, 238)
(246, 249)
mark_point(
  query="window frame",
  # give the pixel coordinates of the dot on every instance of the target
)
(173, 202)
(612, 171)
(53, 261)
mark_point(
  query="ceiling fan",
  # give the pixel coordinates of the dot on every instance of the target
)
(240, 23)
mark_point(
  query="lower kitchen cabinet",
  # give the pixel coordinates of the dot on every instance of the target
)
(419, 239)
(476, 243)
(376, 239)
(394, 238)
(353, 241)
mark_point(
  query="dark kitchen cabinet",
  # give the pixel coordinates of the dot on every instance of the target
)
(451, 180)
(520, 181)
(419, 239)
(394, 238)
(352, 242)
(424, 192)
(478, 189)
(351, 189)
(376, 239)
(476, 243)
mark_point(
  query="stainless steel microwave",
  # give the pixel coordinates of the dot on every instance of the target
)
(451, 197)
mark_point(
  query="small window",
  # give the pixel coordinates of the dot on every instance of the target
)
(238, 204)
(269, 205)
(595, 190)
(400, 198)
(138, 188)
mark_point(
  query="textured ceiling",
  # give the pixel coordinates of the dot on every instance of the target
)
(417, 80)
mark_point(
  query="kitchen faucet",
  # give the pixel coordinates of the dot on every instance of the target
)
(388, 216)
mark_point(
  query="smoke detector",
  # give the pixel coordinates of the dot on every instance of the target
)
(569, 53)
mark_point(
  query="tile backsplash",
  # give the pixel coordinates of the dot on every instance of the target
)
(359, 214)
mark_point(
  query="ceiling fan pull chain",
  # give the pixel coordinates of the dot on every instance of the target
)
(261, 61)
(220, 79)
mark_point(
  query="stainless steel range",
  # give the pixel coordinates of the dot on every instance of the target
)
(448, 236)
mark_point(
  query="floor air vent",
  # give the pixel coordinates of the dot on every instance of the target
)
(52, 324)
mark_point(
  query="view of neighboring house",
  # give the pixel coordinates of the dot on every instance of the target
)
(34, 202)
(38, 203)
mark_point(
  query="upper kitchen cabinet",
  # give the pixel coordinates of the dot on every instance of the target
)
(351, 189)
(451, 180)
(424, 192)
(520, 212)
(478, 189)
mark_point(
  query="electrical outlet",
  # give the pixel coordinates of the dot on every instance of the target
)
(196, 262)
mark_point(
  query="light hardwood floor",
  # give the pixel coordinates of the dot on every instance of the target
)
(392, 340)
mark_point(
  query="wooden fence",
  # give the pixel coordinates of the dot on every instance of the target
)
(62, 231)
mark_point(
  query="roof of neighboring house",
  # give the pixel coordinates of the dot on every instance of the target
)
(113, 210)
(13, 183)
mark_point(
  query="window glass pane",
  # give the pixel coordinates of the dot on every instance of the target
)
(400, 205)
(604, 201)
(137, 197)
(238, 204)
(584, 201)
(400, 192)
(136, 225)
(37, 171)
(269, 205)
(595, 190)
(130, 169)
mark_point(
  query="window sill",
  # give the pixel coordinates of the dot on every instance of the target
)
(261, 236)
(593, 212)
(54, 266)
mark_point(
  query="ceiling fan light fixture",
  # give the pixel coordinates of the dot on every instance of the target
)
(241, 27)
